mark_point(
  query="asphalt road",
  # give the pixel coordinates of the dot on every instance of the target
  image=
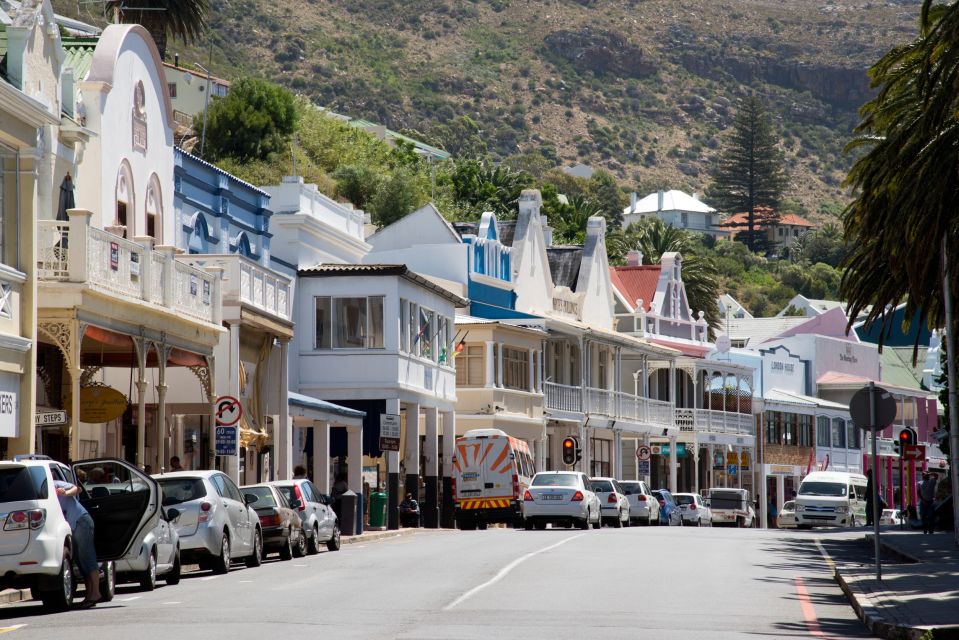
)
(629, 583)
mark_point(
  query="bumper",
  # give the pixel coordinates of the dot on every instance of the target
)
(41, 559)
(640, 511)
(691, 516)
(545, 511)
(206, 540)
(274, 537)
(823, 520)
(609, 512)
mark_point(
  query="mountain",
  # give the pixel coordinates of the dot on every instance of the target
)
(644, 88)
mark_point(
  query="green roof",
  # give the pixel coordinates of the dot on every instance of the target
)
(897, 367)
(79, 55)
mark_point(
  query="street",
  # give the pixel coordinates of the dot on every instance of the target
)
(613, 583)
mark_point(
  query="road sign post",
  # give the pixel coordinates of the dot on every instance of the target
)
(643, 453)
(389, 432)
(229, 410)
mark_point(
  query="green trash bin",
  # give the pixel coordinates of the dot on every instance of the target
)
(377, 510)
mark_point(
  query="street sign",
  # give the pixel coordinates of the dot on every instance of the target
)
(915, 452)
(656, 449)
(389, 432)
(643, 453)
(861, 412)
(731, 469)
(644, 467)
(47, 418)
(226, 441)
(228, 411)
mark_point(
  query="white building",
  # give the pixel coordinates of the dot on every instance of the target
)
(676, 209)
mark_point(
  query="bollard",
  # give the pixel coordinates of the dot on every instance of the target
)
(348, 504)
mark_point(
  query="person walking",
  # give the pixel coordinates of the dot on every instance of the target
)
(771, 513)
(927, 501)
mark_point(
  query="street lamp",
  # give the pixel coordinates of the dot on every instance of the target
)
(206, 105)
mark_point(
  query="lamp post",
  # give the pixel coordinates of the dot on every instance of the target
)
(953, 390)
(206, 105)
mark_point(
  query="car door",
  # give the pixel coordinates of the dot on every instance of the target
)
(123, 501)
(233, 513)
(246, 516)
(324, 512)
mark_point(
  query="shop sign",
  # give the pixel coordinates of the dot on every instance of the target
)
(717, 461)
(100, 404)
(9, 394)
(49, 418)
(744, 460)
(664, 449)
(782, 470)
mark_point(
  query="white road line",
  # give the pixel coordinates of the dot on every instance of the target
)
(11, 628)
(130, 599)
(245, 581)
(505, 571)
(299, 565)
(171, 602)
(826, 557)
(210, 578)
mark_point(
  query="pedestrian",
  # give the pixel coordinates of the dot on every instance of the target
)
(340, 486)
(84, 551)
(771, 513)
(175, 464)
(299, 472)
(148, 469)
(870, 498)
(410, 512)
(927, 501)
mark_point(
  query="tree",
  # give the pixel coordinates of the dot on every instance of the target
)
(569, 221)
(906, 182)
(254, 120)
(397, 196)
(486, 187)
(183, 19)
(750, 171)
(605, 192)
(357, 183)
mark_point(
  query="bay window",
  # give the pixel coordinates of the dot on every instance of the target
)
(348, 323)
(515, 369)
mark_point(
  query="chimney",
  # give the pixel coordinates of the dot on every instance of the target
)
(176, 60)
(659, 206)
(632, 202)
(634, 258)
(530, 201)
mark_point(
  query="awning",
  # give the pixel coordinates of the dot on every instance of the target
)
(790, 398)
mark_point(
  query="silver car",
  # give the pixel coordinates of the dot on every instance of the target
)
(643, 507)
(561, 498)
(158, 554)
(215, 523)
(316, 512)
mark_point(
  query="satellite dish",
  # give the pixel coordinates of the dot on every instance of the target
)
(723, 343)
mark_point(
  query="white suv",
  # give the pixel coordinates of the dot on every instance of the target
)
(35, 539)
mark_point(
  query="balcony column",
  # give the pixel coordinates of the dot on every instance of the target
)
(532, 370)
(431, 455)
(695, 457)
(79, 238)
(542, 368)
(710, 475)
(672, 464)
(617, 453)
(739, 467)
(489, 380)
(146, 265)
(449, 448)
(672, 383)
(321, 455)
(354, 451)
(282, 424)
(169, 274)
(539, 454)
(499, 365)
(161, 389)
(645, 376)
(142, 347)
(411, 457)
(393, 474)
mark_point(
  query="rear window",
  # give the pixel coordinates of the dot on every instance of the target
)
(23, 483)
(601, 485)
(288, 493)
(264, 497)
(681, 499)
(631, 488)
(176, 491)
(555, 480)
(789, 506)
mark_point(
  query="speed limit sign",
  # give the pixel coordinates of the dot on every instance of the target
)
(643, 452)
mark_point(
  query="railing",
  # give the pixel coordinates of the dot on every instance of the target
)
(659, 412)
(601, 401)
(183, 119)
(248, 282)
(714, 421)
(76, 252)
(563, 397)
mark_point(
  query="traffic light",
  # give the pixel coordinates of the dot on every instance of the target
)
(907, 436)
(571, 451)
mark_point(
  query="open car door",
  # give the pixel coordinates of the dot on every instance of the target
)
(123, 501)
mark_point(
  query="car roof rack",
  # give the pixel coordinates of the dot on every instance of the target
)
(31, 456)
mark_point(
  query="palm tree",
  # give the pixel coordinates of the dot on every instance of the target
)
(487, 187)
(906, 182)
(570, 220)
(182, 19)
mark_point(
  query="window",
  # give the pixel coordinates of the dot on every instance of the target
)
(471, 367)
(780, 231)
(515, 369)
(426, 334)
(404, 325)
(9, 202)
(822, 431)
(852, 435)
(413, 326)
(151, 225)
(172, 87)
(805, 431)
(600, 450)
(838, 433)
(348, 323)
(601, 370)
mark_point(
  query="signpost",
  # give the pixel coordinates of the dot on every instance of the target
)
(644, 467)
(643, 453)
(873, 409)
(389, 432)
(228, 413)
(915, 452)
(226, 444)
(47, 418)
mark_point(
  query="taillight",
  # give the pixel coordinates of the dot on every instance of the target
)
(641, 498)
(204, 515)
(33, 519)
(528, 497)
(269, 520)
(515, 484)
(37, 518)
(611, 499)
(299, 496)
(691, 506)
(578, 496)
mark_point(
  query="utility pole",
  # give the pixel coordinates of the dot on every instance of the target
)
(206, 105)
(953, 389)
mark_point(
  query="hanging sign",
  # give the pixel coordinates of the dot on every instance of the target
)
(100, 404)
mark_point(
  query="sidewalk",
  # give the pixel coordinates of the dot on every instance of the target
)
(917, 599)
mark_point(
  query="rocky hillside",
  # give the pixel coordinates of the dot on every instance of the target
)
(644, 88)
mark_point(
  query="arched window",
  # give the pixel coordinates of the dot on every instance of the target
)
(199, 242)
(242, 244)
(124, 197)
(154, 210)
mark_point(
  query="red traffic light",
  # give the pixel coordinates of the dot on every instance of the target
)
(570, 450)
(907, 436)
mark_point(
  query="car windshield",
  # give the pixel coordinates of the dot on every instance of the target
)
(816, 488)
(789, 506)
(631, 488)
(22, 483)
(659, 495)
(601, 486)
(264, 497)
(555, 480)
(178, 490)
(684, 499)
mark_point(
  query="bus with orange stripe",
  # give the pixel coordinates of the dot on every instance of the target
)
(491, 470)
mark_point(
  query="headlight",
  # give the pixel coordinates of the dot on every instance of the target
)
(842, 509)
(800, 508)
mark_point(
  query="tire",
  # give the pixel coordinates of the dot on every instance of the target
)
(148, 578)
(286, 553)
(481, 525)
(312, 542)
(599, 521)
(221, 564)
(255, 559)
(173, 576)
(60, 598)
(541, 526)
(333, 544)
(618, 521)
(108, 581)
(699, 522)
(584, 525)
(529, 525)
(739, 523)
(299, 549)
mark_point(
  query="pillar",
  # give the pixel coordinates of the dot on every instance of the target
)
(694, 454)
(393, 475)
(490, 370)
(710, 474)
(672, 462)
(617, 453)
(321, 455)
(889, 485)
(739, 468)
(282, 423)
(499, 366)
(141, 418)
(449, 448)
(411, 457)
(354, 478)
(431, 454)
(161, 427)
(780, 490)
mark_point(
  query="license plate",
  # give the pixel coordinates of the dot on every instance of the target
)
(552, 497)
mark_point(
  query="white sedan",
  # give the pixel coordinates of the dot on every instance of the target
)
(614, 505)
(787, 516)
(693, 509)
(561, 498)
(643, 506)
(891, 517)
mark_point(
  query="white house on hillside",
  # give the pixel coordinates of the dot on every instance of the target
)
(677, 209)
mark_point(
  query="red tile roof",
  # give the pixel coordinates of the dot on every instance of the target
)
(739, 221)
(636, 283)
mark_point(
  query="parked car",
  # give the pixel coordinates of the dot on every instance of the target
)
(891, 517)
(561, 498)
(316, 513)
(669, 513)
(693, 509)
(787, 515)
(215, 524)
(614, 507)
(281, 525)
(643, 507)
(36, 540)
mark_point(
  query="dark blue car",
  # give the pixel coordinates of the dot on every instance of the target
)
(669, 513)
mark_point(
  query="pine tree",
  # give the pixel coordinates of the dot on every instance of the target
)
(749, 173)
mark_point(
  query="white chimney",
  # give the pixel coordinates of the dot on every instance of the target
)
(632, 202)
(659, 206)
(634, 258)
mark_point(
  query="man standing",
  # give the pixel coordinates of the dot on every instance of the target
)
(927, 500)
(84, 551)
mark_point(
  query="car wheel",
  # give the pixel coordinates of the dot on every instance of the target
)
(584, 524)
(313, 542)
(529, 524)
(541, 525)
(255, 559)
(173, 577)
(61, 597)
(599, 520)
(221, 564)
(148, 579)
(618, 521)
(286, 553)
(300, 549)
(481, 525)
(333, 544)
(108, 581)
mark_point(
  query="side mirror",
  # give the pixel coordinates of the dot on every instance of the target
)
(172, 514)
(249, 498)
(295, 504)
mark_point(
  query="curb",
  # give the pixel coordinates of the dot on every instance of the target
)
(8, 596)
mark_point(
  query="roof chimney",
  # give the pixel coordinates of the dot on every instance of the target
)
(634, 258)
(632, 202)
(659, 200)
(176, 60)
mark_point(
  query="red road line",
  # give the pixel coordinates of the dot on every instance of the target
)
(808, 610)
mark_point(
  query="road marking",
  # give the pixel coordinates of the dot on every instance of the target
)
(130, 599)
(171, 602)
(210, 578)
(245, 581)
(808, 610)
(826, 556)
(13, 628)
(505, 571)
(299, 565)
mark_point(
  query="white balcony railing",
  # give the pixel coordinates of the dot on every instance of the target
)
(248, 282)
(605, 402)
(563, 397)
(76, 252)
(715, 421)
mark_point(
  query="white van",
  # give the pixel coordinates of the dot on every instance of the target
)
(831, 498)
(730, 507)
(491, 472)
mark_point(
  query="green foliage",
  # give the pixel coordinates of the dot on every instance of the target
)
(251, 122)
(569, 220)
(399, 194)
(481, 186)
(183, 19)
(357, 183)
